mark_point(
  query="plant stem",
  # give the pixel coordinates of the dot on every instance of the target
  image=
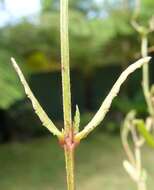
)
(145, 70)
(141, 180)
(141, 185)
(69, 161)
(65, 68)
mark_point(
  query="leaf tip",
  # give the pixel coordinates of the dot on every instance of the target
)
(147, 59)
(13, 61)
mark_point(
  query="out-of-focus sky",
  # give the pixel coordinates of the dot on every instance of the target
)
(15, 9)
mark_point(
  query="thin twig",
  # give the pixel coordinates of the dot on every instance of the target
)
(143, 32)
(124, 136)
(145, 81)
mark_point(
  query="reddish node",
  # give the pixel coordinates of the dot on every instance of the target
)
(68, 142)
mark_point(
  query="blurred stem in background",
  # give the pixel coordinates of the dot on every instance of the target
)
(144, 32)
(134, 166)
(145, 70)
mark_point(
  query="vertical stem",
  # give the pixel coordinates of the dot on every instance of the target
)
(141, 185)
(69, 161)
(65, 68)
(141, 181)
(145, 70)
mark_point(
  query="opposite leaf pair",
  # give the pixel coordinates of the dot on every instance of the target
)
(98, 117)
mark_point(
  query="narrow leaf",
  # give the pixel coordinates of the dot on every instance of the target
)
(101, 113)
(37, 107)
(76, 123)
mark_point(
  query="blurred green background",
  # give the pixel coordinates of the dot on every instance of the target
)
(102, 44)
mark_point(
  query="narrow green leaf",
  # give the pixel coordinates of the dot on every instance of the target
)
(144, 132)
(106, 104)
(37, 107)
(76, 123)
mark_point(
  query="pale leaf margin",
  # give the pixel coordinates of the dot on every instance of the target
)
(100, 114)
(37, 107)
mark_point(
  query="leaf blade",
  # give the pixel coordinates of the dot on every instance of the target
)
(36, 106)
(104, 108)
(76, 123)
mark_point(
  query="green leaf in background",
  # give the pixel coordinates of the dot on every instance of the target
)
(10, 92)
(144, 132)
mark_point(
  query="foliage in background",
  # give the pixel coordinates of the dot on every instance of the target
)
(96, 29)
(9, 91)
(139, 129)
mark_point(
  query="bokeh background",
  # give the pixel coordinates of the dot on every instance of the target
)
(102, 44)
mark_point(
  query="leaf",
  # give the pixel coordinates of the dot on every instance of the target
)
(144, 132)
(76, 123)
(104, 108)
(37, 107)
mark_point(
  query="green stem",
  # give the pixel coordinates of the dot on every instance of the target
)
(65, 68)
(69, 161)
(145, 70)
